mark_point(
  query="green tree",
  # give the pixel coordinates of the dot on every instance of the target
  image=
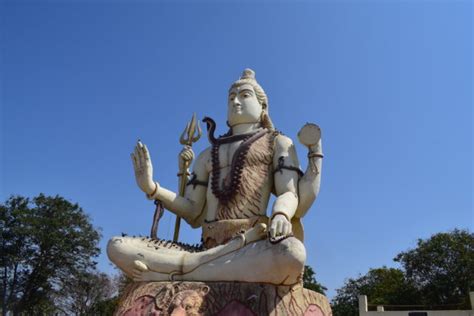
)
(437, 274)
(88, 293)
(310, 283)
(104, 307)
(45, 242)
(109, 305)
(442, 268)
(383, 286)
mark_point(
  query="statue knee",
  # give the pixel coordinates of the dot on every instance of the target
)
(114, 247)
(116, 251)
(123, 251)
(291, 255)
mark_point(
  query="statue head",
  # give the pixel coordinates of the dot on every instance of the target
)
(247, 102)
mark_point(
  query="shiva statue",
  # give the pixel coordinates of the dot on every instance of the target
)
(227, 194)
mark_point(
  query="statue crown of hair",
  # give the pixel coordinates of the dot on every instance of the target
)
(248, 74)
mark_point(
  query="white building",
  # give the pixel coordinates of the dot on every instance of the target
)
(363, 310)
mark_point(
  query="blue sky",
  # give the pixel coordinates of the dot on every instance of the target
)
(389, 82)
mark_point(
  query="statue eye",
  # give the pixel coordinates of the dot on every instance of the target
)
(246, 95)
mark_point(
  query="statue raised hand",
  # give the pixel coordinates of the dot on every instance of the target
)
(143, 168)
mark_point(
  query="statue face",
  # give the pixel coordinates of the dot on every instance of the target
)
(243, 106)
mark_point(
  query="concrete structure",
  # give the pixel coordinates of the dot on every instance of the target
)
(221, 299)
(242, 266)
(227, 194)
(364, 310)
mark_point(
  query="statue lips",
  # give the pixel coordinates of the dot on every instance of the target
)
(238, 109)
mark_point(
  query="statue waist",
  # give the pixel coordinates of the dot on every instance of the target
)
(221, 231)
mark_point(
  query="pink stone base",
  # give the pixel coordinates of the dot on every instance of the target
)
(220, 298)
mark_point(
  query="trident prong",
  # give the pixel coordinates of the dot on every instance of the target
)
(191, 133)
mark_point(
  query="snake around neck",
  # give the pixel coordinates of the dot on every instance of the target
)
(233, 180)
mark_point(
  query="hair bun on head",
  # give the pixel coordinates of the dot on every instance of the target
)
(248, 74)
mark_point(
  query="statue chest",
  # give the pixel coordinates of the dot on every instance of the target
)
(240, 173)
(226, 154)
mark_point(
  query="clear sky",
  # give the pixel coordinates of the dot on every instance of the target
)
(389, 82)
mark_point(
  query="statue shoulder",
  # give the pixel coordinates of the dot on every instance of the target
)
(206, 153)
(282, 143)
(284, 153)
(204, 158)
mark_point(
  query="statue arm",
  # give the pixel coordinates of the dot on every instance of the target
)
(196, 188)
(192, 204)
(286, 185)
(309, 184)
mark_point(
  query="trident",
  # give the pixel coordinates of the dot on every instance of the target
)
(190, 135)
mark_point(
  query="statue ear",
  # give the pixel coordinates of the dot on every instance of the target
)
(205, 290)
(265, 120)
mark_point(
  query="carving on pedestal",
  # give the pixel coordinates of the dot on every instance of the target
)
(220, 298)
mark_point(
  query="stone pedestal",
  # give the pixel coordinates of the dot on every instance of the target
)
(220, 298)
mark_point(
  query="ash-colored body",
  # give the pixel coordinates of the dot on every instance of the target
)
(248, 256)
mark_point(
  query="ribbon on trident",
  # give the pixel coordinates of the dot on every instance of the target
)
(190, 135)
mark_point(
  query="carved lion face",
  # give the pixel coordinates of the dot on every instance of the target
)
(188, 302)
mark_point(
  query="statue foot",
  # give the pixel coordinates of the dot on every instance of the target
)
(139, 270)
(141, 273)
(256, 233)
